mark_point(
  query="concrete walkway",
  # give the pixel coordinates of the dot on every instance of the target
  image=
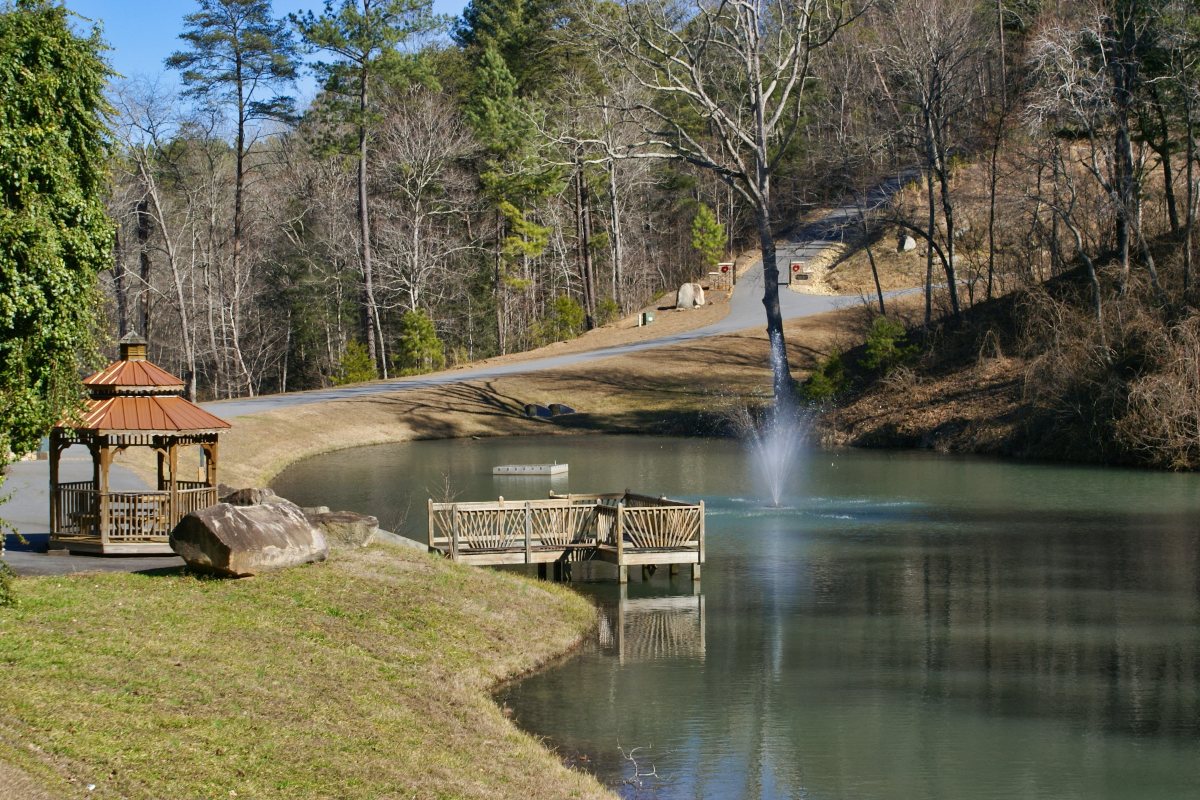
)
(27, 486)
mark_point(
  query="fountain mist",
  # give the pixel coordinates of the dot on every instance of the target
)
(776, 441)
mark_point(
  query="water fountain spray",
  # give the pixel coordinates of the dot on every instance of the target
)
(775, 437)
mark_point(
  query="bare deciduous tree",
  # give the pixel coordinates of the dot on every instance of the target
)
(725, 84)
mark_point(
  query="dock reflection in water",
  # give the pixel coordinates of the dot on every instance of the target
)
(653, 628)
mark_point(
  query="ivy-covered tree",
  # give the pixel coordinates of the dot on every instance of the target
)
(54, 233)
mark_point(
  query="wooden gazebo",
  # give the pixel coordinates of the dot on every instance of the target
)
(134, 404)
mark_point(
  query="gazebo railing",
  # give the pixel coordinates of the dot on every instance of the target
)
(137, 516)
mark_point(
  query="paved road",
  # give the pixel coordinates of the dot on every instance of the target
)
(746, 311)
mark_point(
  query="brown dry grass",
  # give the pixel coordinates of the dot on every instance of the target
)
(852, 274)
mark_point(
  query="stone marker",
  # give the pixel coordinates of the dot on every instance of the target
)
(237, 541)
(905, 243)
(690, 295)
(345, 528)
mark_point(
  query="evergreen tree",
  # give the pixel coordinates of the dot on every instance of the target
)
(419, 350)
(236, 53)
(708, 236)
(54, 233)
(521, 32)
(365, 38)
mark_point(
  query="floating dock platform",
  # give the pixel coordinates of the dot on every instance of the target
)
(622, 529)
(530, 469)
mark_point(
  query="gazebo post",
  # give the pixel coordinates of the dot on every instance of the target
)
(55, 499)
(158, 451)
(102, 465)
(173, 460)
(210, 463)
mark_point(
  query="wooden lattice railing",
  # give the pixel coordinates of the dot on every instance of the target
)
(625, 522)
(145, 516)
(459, 527)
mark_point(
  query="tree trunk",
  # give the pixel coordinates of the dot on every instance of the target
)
(119, 289)
(1163, 149)
(143, 236)
(937, 150)
(1121, 57)
(993, 181)
(186, 334)
(781, 374)
(929, 250)
(1190, 222)
(618, 255)
(583, 227)
(499, 289)
(370, 323)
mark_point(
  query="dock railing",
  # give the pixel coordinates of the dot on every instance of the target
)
(624, 529)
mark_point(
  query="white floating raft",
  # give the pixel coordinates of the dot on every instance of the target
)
(530, 469)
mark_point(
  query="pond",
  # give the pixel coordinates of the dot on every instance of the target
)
(905, 625)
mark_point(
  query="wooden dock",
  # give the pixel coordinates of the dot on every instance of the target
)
(622, 529)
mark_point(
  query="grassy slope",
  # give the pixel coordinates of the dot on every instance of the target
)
(364, 677)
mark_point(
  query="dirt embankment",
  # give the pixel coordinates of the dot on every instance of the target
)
(964, 394)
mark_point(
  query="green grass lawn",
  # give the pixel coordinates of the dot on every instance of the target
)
(363, 677)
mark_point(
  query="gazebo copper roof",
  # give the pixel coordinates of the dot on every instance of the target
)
(155, 413)
(132, 377)
(133, 394)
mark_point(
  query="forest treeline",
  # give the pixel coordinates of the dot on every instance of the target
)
(461, 188)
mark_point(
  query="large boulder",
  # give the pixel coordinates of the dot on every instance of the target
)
(238, 541)
(905, 243)
(345, 528)
(690, 295)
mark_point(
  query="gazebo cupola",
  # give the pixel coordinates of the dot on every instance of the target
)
(134, 403)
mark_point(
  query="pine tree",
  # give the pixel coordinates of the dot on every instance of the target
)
(236, 53)
(364, 36)
(708, 236)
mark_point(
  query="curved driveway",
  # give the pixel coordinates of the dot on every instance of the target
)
(746, 311)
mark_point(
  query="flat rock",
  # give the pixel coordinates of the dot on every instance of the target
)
(251, 496)
(238, 541)
(345, 528)
(387, 537)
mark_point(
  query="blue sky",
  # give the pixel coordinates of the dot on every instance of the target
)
(142, 33)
